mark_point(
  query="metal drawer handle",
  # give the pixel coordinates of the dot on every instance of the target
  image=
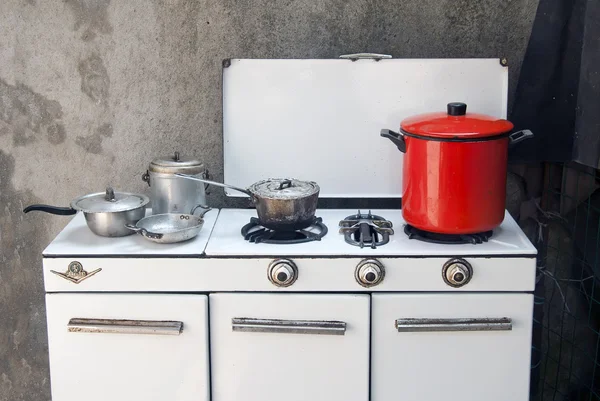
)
(119, 326)
(288, 326)
(462, 324)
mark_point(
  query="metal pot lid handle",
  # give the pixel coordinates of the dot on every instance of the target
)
(176, 157)
(110, 195)
(285, 184)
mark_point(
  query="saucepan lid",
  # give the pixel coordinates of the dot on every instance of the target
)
(177, 164)
(109, 201)
(284, 188)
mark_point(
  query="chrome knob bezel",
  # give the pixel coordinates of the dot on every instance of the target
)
(367, 266)
(457, 266)
(282, 266)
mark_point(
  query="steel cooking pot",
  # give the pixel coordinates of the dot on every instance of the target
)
(106, 213)
(170, 194)
(454, 169)
(281, 204)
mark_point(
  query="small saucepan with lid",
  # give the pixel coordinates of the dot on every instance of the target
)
(106, 213)
(282, 204)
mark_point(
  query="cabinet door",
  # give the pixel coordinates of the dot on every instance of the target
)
(452, 347)
(128, 347)
(273, 347)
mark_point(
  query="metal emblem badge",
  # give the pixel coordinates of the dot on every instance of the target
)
(75, 273)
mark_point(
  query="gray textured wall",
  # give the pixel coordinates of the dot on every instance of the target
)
(92, 90)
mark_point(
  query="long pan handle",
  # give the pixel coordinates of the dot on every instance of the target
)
(217, 184)
(61, 211)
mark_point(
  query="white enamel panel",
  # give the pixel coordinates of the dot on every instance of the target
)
(452, 366)
(133, 367)
(250, 274)
(319, 120)
(252, 366)
(77, 239)
(226, 240)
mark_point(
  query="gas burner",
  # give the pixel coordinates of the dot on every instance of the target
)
(254, 232)
(451, 239)
(366, 229)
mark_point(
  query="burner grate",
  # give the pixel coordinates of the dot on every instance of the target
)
(366, 229)
(254, 232)
(450, 239)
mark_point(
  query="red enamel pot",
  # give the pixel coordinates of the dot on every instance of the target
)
(454, 169)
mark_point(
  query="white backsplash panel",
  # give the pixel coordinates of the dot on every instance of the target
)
(319, 120)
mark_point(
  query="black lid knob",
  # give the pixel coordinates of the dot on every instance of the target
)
(457, 109)
(370, 277)
(281, 276)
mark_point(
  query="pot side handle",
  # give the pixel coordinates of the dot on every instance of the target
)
(144, 232)
(205, 207)
(519, 136)
(146, 177)
(396, 138)
(61, 211)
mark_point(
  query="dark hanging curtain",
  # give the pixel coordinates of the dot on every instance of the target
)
(558, 93)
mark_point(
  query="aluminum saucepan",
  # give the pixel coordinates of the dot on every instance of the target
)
(106, 213)
(281, 204)
(168, 228)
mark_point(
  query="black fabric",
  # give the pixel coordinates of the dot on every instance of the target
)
(549, 91)
(587, 126)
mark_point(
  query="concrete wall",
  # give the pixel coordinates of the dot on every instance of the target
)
(92, 90)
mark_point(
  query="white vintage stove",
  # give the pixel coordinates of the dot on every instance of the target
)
(228, 317)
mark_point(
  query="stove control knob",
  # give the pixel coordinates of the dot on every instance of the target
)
(457, 272)
(369, 272)
(282, 272)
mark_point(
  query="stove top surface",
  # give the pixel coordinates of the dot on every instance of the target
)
(226, 239)
(221, 237)
(76, 239)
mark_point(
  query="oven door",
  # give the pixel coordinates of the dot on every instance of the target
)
(452, 347)
(135, 347)
(273, 347)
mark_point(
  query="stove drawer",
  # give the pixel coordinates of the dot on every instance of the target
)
(467, 347)
(273, 347)
(160, 352)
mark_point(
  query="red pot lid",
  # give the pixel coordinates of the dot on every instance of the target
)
(455, 123)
